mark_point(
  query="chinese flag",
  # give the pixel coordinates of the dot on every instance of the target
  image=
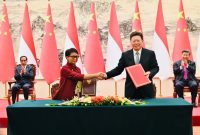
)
(93, 60)
(136, 25)
(7, 59)
(27, 47)
(49, 62)
(72, 37)
(181, 39)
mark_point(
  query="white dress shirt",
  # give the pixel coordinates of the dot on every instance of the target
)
(134, 54)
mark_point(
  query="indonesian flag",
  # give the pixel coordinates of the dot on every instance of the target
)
(7, 59)
(72, 38)
(114, 47)
(93, 60)
(160, 45)
(49, 62)
(181, 39)
(26, 47)
(136, 25)
(198, 54)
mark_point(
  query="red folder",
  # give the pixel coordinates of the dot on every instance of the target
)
(136, 73)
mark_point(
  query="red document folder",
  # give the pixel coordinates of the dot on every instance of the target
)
(136, 73)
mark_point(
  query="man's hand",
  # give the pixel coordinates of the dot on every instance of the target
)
(23, 71)
(185, 61)
(147, 74)
(101, 75)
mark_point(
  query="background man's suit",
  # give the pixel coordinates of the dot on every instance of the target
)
(23, 81)
(191, 81)
(148, 62)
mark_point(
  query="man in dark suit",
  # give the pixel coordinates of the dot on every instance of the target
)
(137, 55)
(184, 72)
(23, 75)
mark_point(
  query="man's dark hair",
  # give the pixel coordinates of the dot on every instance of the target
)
(136, 33)
(69, 51)
(22, 57)
(186, 51)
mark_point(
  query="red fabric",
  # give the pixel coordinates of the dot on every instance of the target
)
(70, 75)
(181, 41)
(49, 61)
(27, 31)
(114, 27)
(72, 29)
(7, 59)
(93, 60)
(136, 24)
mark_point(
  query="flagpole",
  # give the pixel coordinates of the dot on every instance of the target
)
(49, 91)
(6, 95)
(115, 88)
(160, 91)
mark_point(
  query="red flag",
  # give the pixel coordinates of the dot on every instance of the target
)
(160, 45)
(181, 39)
(93, 60)
(114, 46)
(49, 62)
(7, 59)
(72, 37)
(27, 47)
(136, 25)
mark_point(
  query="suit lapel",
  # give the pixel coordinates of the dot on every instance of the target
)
(131, 60)
(142, 56)
(179, 63)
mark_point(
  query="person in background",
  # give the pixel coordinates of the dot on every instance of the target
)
(184, 72)
(23, 75)
(70, 75)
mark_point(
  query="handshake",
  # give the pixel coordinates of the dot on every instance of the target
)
(100, 76)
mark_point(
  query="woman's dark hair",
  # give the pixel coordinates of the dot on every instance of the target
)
(69, 51)
(136, 33)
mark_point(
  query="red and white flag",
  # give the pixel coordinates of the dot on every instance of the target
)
(114, 46)
(27, 47)
(182, 41)
(136, 25)
(7, 58)
(72, 38)
(160, 46)
(93, 60)
(49, 62)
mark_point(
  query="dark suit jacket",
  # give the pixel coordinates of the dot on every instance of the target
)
(148, 62)
(25, 78)
(178, 73)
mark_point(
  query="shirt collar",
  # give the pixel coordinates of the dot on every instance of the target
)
(137, 51)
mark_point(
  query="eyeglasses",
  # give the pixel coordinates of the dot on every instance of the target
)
(23, 60)
(74, 57)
